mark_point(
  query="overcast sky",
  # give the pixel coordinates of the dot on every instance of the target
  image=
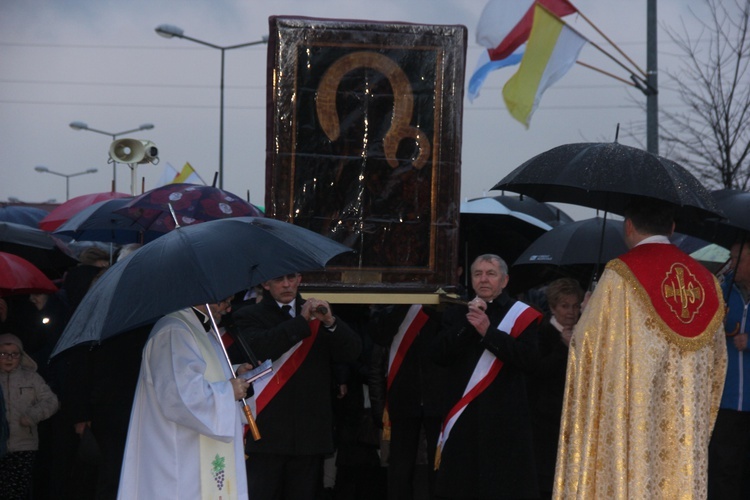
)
(100, 62)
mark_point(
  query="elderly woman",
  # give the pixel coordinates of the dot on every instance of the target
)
(547, 381)
(28, 401)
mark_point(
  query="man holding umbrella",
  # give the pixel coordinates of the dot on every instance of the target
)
(185, 434)
(645, 371)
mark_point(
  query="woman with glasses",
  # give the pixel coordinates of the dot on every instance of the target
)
(28, 400)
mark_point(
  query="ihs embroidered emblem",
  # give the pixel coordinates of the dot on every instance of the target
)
(682, 292)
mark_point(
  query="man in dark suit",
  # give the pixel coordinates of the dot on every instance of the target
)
(292, 405)
(485, 448)
(415, 394)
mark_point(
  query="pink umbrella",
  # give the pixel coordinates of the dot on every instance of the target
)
(65, 211)
(19, 276)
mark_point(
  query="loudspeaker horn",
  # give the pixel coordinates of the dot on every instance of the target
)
(133, 151)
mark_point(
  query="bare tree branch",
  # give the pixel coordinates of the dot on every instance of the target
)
(711, 134)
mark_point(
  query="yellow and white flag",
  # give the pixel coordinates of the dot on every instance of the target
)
(187, 175)
(552, 49)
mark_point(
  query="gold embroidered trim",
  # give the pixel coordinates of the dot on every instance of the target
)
(655, 321)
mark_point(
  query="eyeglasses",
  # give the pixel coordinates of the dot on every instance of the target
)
(13, 355)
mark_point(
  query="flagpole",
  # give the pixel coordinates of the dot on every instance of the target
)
(600, 49)
(622, 53)
(607, 73)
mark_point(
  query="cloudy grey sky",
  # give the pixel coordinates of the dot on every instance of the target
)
(100, 62)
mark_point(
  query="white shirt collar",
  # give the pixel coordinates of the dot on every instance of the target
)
(293, 304)
(657, 238)
(553, 321)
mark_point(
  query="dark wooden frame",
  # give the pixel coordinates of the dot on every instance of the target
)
(358, 111)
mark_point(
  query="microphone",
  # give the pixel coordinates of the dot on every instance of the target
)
(321, 310)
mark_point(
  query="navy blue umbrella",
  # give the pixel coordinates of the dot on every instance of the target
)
(198, 264)
(101, 222)
(28, 216)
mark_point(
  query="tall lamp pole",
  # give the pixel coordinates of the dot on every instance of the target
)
(84, 126)
(45, 170)
(169, 31)
(652, 99)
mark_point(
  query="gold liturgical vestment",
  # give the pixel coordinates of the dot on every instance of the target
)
(645, 375)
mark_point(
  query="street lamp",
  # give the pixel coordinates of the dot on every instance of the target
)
(84, 126)
(13, 199)
(43, 169)
(169, 31)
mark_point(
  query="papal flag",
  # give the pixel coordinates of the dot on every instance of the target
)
(188, 175)
(552, 49)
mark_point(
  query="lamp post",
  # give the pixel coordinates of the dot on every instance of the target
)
(84, 126)
(43, 169)
(169, 31)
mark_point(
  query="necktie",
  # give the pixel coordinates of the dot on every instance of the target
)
(286, 309)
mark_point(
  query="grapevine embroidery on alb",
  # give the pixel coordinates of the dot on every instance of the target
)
(218, 471)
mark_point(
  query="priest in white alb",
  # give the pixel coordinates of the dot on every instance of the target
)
(185, 438)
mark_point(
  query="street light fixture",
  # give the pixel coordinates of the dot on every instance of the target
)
(169, 31)
(13, 199)
(84, 126)
(45, 170)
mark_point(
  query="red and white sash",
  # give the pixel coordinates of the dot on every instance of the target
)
(515, 321)
(408, 330)
(284, 367)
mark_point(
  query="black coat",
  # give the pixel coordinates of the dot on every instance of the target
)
(489, 453)
(298, 420)
(546, 393)
(418, 388)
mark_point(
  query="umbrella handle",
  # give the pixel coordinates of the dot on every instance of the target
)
(245, 407)
(250, 420)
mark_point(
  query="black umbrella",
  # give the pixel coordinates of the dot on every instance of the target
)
(605, 175)
(203, 263)
(46, 252)
(578, 250)
(21, 234)
(524, 208)
(735, 227)
(578, 242)
(504, 225)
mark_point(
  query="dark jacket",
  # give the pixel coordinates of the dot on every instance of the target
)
(298, 420)
(489, 453)
(546, 393)
(418, 388)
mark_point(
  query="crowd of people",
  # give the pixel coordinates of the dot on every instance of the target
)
(494, 396)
